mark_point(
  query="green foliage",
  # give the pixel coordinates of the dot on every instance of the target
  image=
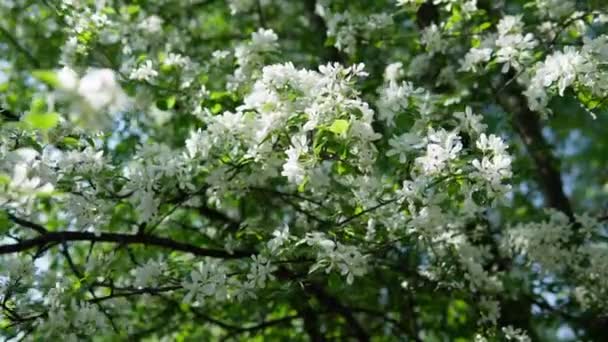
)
(182, 152)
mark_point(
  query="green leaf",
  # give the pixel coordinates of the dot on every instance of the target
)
(48, 77)
(341, 168)
(4, 179)
(216, 108)
(302, 186)
(108, 10)
(70, 142)
(335, 281)
(38, 105)
(42, 121)
(330, 41)
(5, 323)
(458, 311)
(132, 9)
(4, 222)
(166, 104)
(339, 127)
(482, 27)
(171, 102)
(142, 58)
(219, 95)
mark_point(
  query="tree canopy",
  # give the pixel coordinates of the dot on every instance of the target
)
(303, 170)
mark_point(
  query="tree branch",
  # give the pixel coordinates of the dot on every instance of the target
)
(135, 292)
(8, 115)
(319, 26)
(125, 239)
(262, 326)
(311, 323)
(27, 224)
(13, 41)
(333, 304)
(327, 300)
(528, 126)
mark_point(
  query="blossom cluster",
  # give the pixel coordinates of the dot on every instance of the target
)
(199, 162)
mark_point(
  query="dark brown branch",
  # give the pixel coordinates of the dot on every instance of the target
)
(27, 224)
(311, 323)
(286, 194)
(304, 212)
(135, 292)
(382, 316)
(125, 239)
(366, 211)
(216, 215)
(76, 271)
(8, 115)
(71, 264)
(262, 326)
(26, 52)
(333, 304)
(230, 327)
(207, 211)
(261, 16)
(328, 301)
(427, 14)
(528, 126)
(319, 26)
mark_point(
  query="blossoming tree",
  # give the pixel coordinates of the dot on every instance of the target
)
(192, 170)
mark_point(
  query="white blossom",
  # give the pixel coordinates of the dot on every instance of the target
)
(280, 237)
(513, 334)
(208, 280)
(404, 144)
(152, 24)
(148, 274)
(431, 37)
(443, 146)
(145, 72)
(556, 9)
(264, 40)
(474, 58)
(491, 143)
(470, 122)
(99, 88)
(261, 271)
